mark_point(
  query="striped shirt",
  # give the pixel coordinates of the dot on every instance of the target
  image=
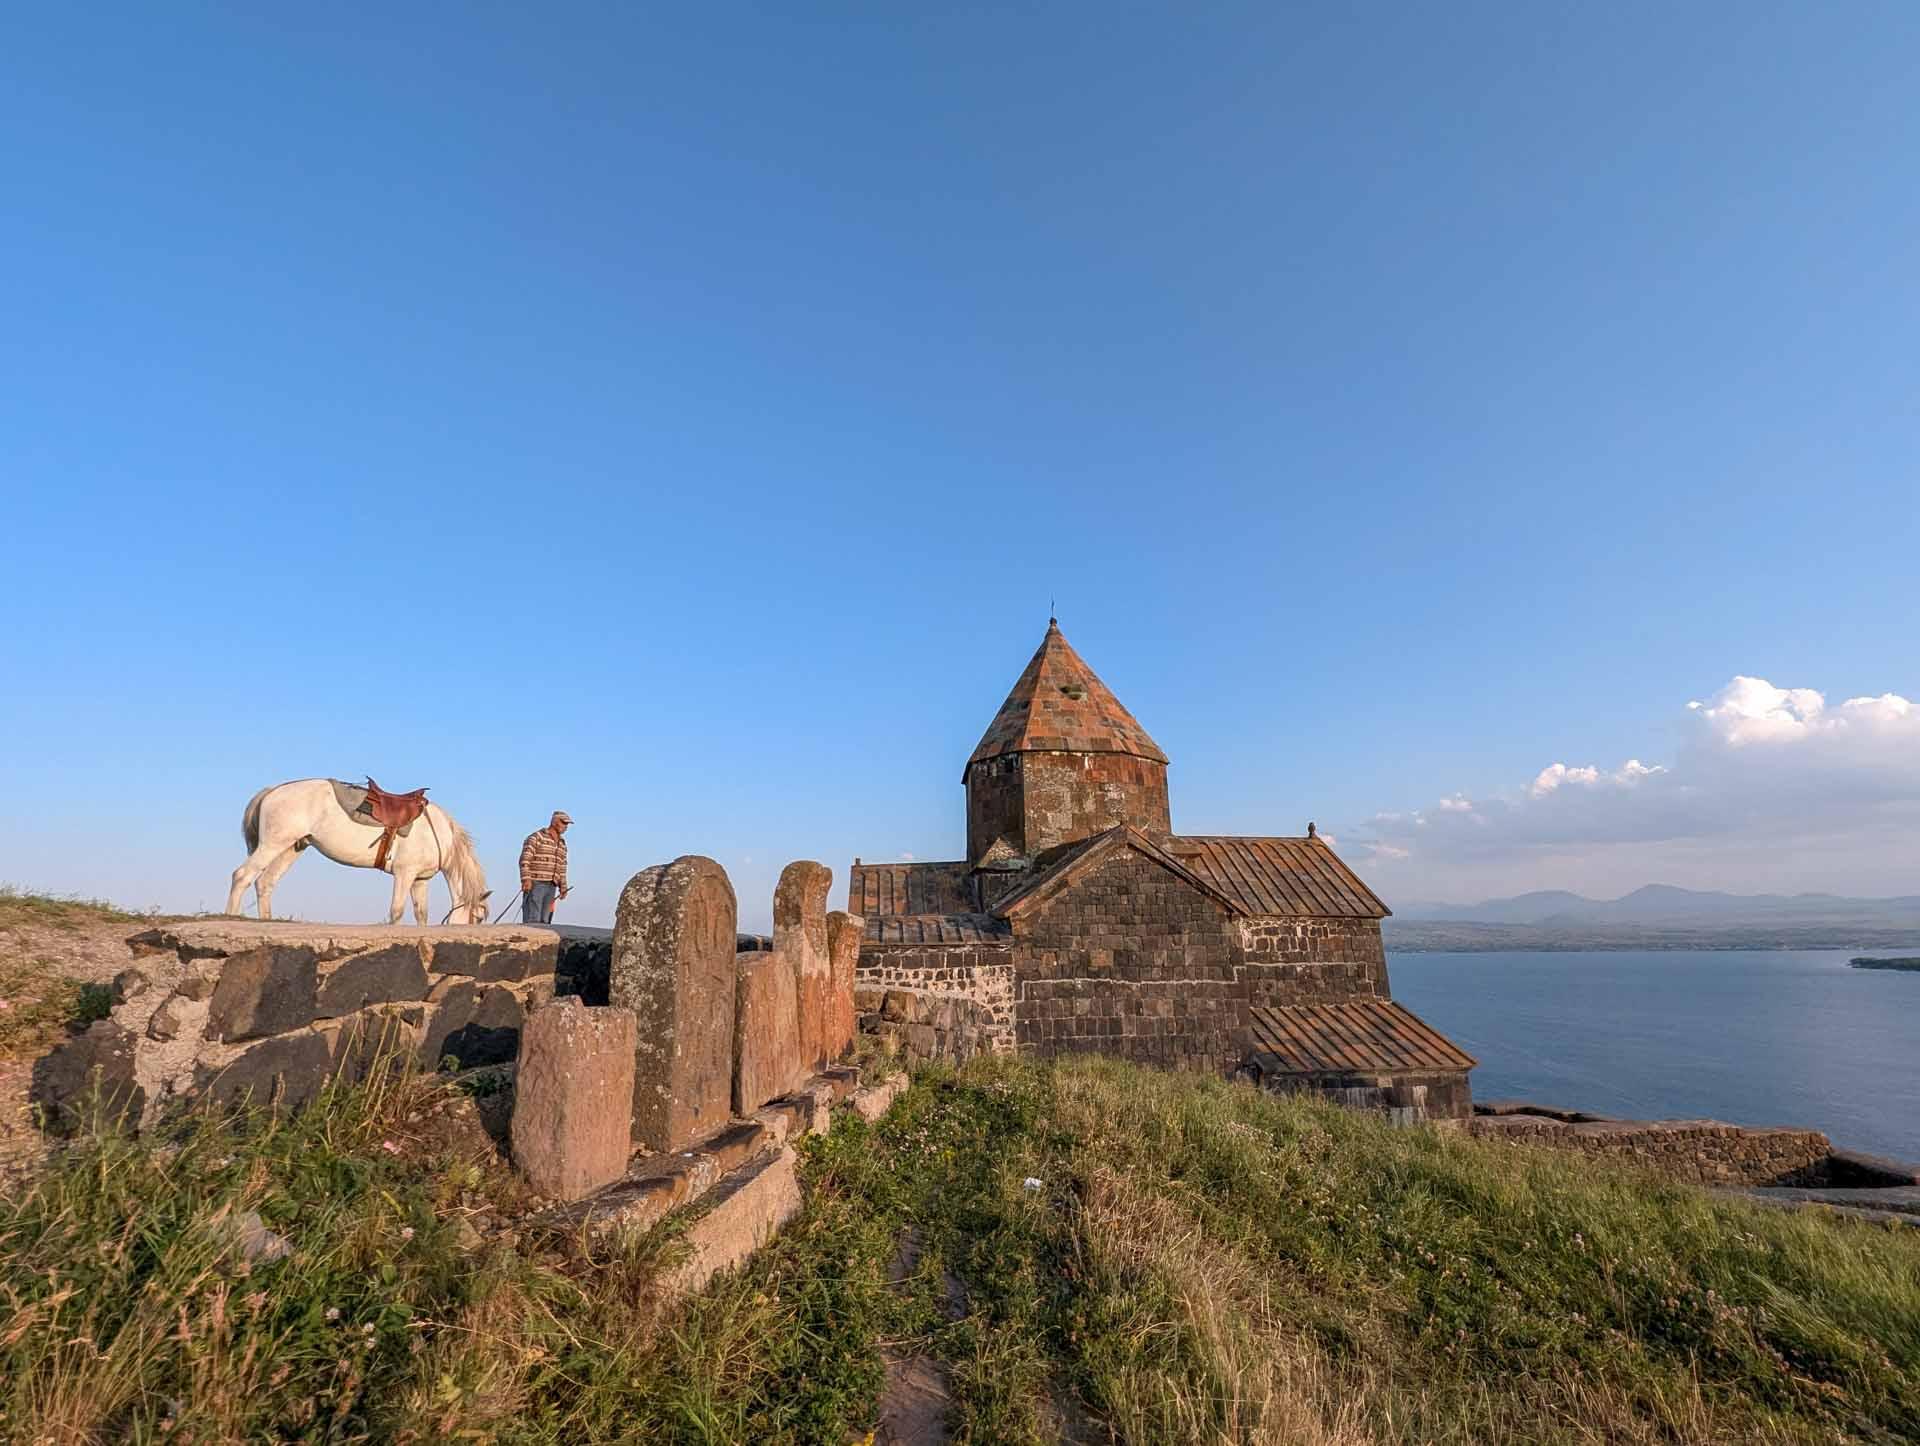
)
(543, 859)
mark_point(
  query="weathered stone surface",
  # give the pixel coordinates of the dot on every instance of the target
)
(495, 963)
(357, 1043)
(130, 982)
(573, 1090)
(380, 976)
(247, 1236)
(474, 1023)
(767, 1061)
(267, 990)
(844, 934)
(284, 1072)
(746, 1212)
(198, 981)
(673, 967)
(800, 937)
(64, 1081)
(876, 1099)
(169, 1019)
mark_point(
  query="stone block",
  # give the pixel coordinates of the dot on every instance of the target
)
(845, 932)
(673, 966)
(493, 962)
(475, 1023)
(169, 1019)
(130, 982)
(767, 1060)
(264, 990)
(573, 1090)
(800, 938)
(284, 1072)
(94, 1071)
(380, 976)
(747, 1211)
(357, 1043)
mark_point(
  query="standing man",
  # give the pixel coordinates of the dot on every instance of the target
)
(543, 871)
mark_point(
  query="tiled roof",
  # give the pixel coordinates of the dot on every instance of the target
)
(937, 929)
(1058, 704)
(1300, 876)
(941, 888)
(1057, 870)
(1362, 1035)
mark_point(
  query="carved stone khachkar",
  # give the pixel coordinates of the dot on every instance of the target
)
(766, 1031)
(800, 938)
(844, 933)
(673, 966)
(570, 1132)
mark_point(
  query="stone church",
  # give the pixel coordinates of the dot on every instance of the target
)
(1079, 921)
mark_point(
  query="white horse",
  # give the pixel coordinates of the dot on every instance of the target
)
(281, 821)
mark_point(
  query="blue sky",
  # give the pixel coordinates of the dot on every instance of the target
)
(685, 419)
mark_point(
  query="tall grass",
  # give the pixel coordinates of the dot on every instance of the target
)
(1193, 1263)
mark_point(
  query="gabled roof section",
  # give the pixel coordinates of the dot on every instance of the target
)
(1291, 876)
(1077, 858)
(1059, 705)
(919, 888)
(1366, 1036)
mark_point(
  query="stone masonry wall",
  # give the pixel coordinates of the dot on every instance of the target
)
(1131, 961)
(270, 1010)
(1313, 961)
(1038, 801)
(980, 974)
(1707, 1152)
(919, 1027)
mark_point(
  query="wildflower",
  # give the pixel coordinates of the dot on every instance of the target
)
(407, 1233)
(1032, 1183)
(390, 1147)
(333, 1312)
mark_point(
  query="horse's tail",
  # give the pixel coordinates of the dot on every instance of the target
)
(250, 820)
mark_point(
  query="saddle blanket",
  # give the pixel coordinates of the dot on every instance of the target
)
(353, 802)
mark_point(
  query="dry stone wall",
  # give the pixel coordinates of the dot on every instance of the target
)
(269, 1011)
(917, 1026)
(1708, 1152)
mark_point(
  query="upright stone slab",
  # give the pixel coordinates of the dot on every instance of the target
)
(571, 1093)
(844, 934)
(767, 1061)
(800, 938)
(673, 938)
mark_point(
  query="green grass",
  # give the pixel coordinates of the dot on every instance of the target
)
(1199, 1263)
(57, 911)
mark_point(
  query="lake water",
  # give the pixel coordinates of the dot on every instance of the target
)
(1764, 1038)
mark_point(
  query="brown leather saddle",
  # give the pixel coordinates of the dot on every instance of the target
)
(390, 812)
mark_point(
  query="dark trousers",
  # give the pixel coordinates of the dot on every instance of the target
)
(536, 905)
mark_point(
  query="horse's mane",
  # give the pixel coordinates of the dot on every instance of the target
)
(465, 863)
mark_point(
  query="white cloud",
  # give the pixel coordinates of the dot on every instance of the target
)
(1770, 774)
(906, 858)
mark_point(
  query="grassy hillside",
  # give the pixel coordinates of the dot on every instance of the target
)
(1193, 1262)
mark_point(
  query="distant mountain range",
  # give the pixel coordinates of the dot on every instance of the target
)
(1659, 916)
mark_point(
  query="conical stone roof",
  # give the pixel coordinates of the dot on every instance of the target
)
(1060, 705)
